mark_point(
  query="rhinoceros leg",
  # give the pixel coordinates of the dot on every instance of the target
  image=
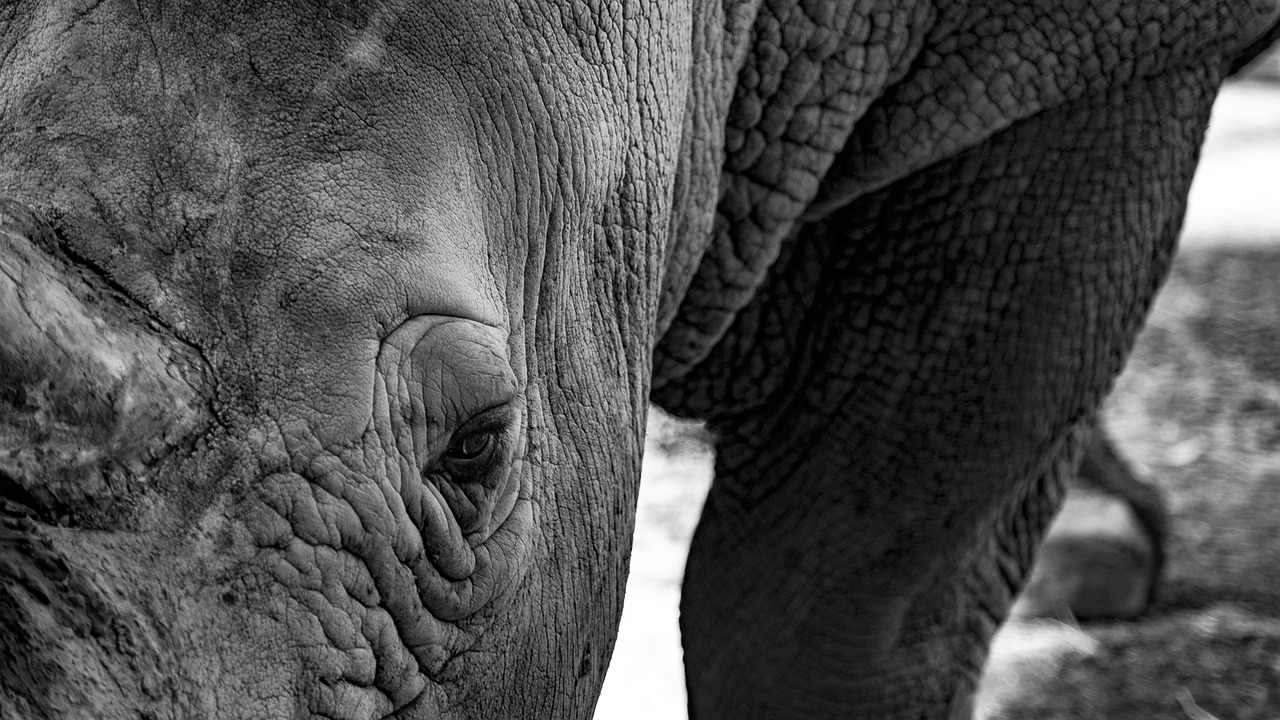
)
(900, 404)
(1103, 554)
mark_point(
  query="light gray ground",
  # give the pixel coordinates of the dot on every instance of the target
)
(1234, 200)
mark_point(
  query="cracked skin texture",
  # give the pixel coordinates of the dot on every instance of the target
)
(414, 271)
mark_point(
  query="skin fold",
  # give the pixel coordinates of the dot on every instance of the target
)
(329, 331)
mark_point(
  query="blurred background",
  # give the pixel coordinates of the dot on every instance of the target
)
(1197, 412)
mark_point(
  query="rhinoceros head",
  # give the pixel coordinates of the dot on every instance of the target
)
(325, 349)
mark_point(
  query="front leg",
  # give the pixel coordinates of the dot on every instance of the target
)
(900, 404)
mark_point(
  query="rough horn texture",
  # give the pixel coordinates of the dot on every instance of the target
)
(91, 393)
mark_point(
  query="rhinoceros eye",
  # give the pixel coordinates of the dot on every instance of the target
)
(478, 442)
(472, 446)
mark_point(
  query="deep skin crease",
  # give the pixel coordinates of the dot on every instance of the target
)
(330, 330)
(371, 232)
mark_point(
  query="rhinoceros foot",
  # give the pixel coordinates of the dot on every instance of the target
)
(1096, 562)
(1102, 556)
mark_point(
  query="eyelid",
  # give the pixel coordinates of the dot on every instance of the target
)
(497, 420)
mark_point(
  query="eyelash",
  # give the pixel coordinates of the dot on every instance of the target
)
(488, 436)
(496, 425)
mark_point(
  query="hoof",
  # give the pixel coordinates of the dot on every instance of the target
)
(1097, 561)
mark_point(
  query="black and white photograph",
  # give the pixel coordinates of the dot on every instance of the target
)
(639, 359)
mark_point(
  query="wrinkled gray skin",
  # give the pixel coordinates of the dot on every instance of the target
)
(329, 330)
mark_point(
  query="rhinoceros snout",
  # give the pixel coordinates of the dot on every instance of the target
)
(90, 396)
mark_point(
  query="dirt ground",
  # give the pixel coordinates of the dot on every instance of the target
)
(1197, 411)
